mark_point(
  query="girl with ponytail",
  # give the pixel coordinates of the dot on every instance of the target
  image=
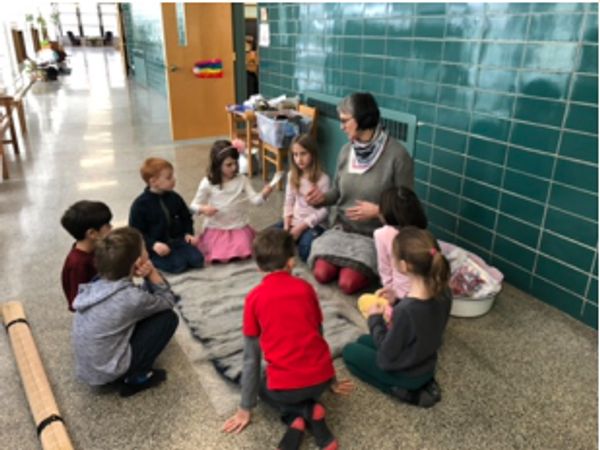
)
(401, 359)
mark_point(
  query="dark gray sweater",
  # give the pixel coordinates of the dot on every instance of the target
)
(411, 342)
(394, 168)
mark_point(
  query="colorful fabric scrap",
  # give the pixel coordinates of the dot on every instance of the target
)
(208, 68)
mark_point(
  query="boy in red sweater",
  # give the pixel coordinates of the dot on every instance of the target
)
(87, 222)
(283, 319)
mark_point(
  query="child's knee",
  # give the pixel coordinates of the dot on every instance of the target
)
(351, 281)
(324, 271)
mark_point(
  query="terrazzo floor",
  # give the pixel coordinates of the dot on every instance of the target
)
(523, 376)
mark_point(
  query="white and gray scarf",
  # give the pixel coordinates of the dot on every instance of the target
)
(364, 155)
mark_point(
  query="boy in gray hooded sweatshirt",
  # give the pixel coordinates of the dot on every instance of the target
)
(120, 328)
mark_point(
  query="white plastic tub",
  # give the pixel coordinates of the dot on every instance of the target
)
(467, 307)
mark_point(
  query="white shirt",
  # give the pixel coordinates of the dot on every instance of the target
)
(230, 201)
(295, 203)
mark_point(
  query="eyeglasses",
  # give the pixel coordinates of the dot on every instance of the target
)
(345, 120)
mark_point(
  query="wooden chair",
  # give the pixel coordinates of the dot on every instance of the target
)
(278, 155)
(247, 131)
(4, 126)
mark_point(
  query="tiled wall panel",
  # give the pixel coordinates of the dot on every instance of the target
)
(143, 29)
(506, 95)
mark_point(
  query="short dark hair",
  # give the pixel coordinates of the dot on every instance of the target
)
(83, 215)
(363, 107)
(219, 152)
(400, 207)
(117, 252)
(272, 249)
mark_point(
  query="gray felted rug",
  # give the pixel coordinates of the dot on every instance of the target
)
(212, 302)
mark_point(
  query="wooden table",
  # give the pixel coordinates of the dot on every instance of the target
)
(249, 134)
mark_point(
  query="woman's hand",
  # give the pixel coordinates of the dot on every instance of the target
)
(315, 197)
(362, 211)
(237, 422)
(342, 387)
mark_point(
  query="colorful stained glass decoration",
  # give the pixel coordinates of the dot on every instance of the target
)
(208, 68)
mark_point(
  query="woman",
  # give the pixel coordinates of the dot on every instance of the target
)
(368, 165)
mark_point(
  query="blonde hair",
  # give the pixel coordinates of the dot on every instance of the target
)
(152, 167)
(422, 254)
(314, 171)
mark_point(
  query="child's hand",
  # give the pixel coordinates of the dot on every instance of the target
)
(297, 230)
(161, 249)
(143, 268)
(237, 422)
(266, 191)
(375, 309)
(386, 293)
(192, 240)
(208, 210)
(342, 387)
(287, 223)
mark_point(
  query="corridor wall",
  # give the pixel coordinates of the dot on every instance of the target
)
(507, 97)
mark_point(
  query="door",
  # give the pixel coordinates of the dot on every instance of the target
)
(197, 105)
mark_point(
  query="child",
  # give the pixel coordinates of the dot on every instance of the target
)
(164, 220)
(400, 360)
(220, 197)
(398, 208)
(283, 319)
(120, 328)
(299, 218)
(87, 222)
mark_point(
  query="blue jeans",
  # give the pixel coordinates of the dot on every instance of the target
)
(305, 241)
(182, 257)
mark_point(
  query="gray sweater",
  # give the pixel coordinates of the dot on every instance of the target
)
(394, 168)
(414, 336)
(105, 317)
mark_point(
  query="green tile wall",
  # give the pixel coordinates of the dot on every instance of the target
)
(144, 33)
(506, 95)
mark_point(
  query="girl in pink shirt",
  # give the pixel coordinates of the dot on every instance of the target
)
(399, 207)
(303, 221)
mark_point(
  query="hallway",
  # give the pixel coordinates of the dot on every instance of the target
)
(523, 376)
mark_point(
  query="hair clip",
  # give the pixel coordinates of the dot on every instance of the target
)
(224, 149)
(432, 251)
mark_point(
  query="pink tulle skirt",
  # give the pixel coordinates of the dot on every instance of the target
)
(225, 245)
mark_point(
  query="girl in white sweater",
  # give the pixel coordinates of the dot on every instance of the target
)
(220, 198)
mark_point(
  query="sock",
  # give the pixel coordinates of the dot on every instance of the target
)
(292, 438)
(323, 436)
(133, 385)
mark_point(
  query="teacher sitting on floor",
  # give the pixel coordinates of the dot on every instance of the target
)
(368, 165)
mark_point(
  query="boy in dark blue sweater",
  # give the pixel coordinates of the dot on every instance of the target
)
(163, 218)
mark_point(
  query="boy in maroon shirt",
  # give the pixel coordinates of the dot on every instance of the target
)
(283, 319)
(86, 221)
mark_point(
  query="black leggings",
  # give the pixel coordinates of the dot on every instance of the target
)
(293, 403)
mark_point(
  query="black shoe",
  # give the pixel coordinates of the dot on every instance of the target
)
(420, 397)
(434, 389)
(157, 377)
